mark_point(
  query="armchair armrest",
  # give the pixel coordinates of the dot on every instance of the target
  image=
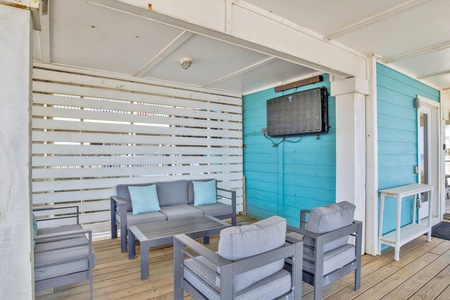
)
(303, 220)
(57, 212)
(232, 197)
(321, 239)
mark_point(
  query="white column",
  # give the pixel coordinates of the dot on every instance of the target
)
(350, 142)
(15, 188)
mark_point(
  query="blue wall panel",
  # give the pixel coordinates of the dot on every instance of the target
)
(397, 136)
(308, 166)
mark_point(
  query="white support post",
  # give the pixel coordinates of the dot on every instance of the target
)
(351, 143)
(16, 255)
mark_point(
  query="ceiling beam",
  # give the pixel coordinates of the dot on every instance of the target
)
(249, 27)
(241, 71)
(177, 42)
(44, 38)
(434, 74)
(426, 50)
(375, 18)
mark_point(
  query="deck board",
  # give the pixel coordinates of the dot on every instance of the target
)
(423, 272)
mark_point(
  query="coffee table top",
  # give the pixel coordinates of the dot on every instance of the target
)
(165, 229)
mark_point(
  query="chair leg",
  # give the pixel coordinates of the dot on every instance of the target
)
(178, 271)
(317, 289)
(91, 288)
(357, 278)
(113, 230)
(123, 239)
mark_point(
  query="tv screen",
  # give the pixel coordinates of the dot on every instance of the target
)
(298, 114)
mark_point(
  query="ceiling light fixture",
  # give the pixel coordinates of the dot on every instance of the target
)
(186, 62)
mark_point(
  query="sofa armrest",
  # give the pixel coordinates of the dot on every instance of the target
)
(118, 205)
(57, 212)
(231, 195)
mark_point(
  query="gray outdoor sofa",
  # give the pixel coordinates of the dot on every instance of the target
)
(176, 199)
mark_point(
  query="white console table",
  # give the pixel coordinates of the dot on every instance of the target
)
(403, 235)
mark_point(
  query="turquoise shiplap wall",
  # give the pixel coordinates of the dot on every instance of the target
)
(282, 180)
(397, 136)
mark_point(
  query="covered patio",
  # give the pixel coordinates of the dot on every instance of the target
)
(105, 92)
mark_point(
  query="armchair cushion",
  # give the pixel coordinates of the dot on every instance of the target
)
(205, 192)
(239, 242)
(144, 199)
(72, 259)
(270, 287)
(328, 218)
(333, 259)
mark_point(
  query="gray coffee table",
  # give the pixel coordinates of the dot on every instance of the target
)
(154, 234)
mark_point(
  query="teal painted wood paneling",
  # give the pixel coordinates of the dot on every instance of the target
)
(309, 164)
(397, 136)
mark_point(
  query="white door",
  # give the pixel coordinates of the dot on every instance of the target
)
(428, 156)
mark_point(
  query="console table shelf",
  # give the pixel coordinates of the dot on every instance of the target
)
(403, 235)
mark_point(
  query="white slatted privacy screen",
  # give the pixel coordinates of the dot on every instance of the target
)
(91, 133)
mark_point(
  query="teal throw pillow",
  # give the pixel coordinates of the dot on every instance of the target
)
(205, 192)
(144, 199)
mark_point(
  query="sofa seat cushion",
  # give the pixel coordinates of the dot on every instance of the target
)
(143, 218)
(333, 259)
(60, 262)
(239, 242)
(328, 218)
(270, 287)
(216, 209)
(180, 211)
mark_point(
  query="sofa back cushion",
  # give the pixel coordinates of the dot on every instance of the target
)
(172, 192)
(244, 241)
(328, 218)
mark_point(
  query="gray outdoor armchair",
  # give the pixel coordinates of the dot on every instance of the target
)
(251, 263)
(327, 254)
(62, 254)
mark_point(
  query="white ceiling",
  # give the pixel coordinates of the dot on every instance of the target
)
(411, 35)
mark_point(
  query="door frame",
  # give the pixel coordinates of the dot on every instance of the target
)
(437, 177)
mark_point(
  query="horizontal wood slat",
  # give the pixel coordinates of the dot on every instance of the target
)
(91, 133)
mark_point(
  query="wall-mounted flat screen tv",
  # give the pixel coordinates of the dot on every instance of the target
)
(298, 114)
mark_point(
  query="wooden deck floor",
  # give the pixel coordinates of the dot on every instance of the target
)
(423, 272)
